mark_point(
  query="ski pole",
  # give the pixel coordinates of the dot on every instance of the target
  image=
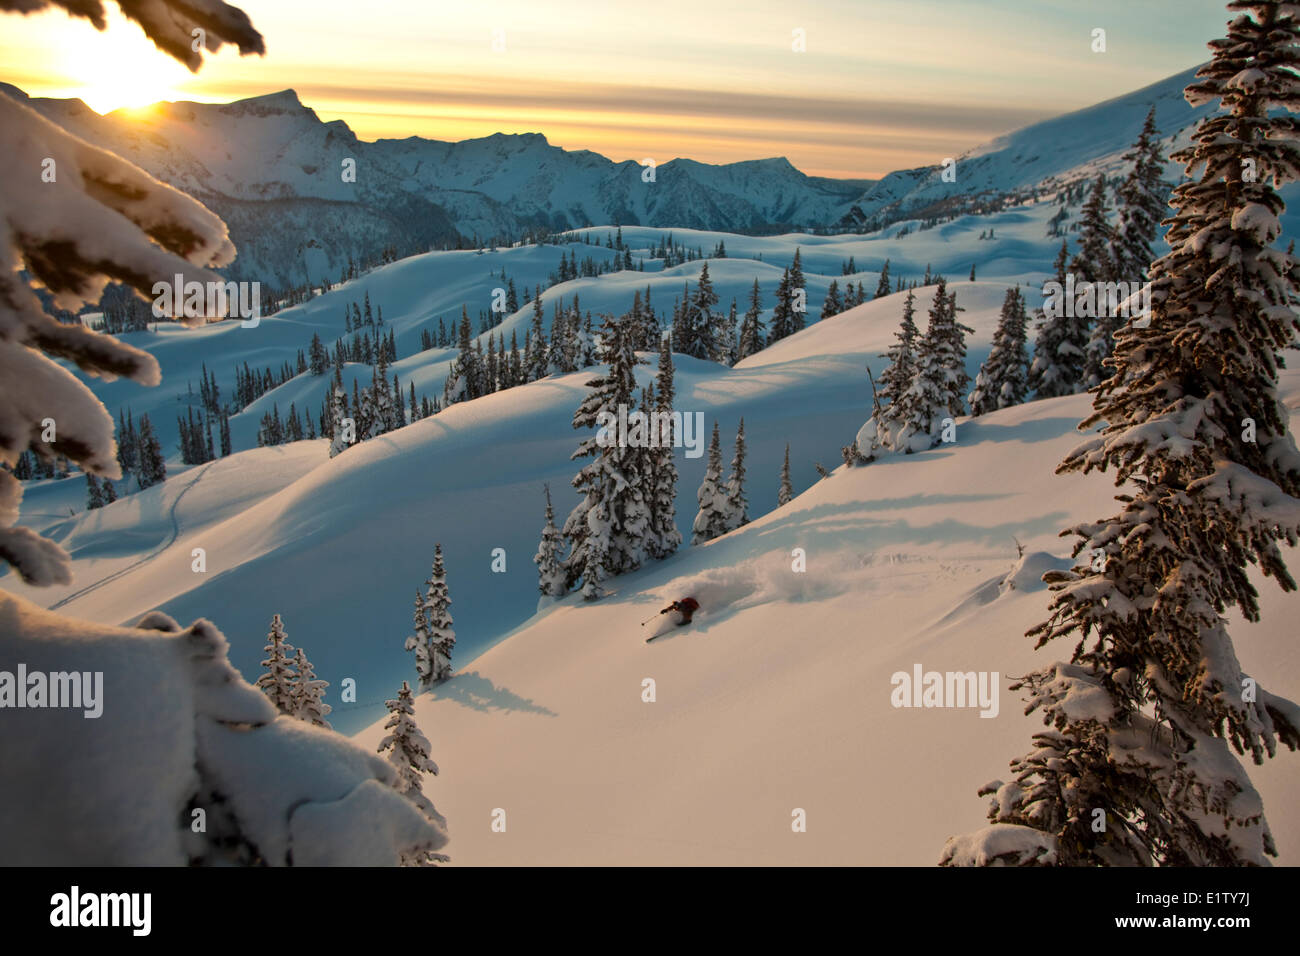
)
(649, 619)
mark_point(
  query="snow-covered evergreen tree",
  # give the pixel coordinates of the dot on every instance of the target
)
(939, 386)
(832, 304)
(536, 362)
(1003, 378)
(888, 408)
(712, 520)
(663, 538)
(785, 494)
(1141, 208)
(1100, 345)
(338, 412)
(153, 467)
(1143, 721)
(277, 682)
(588, 349)
(94, 496)
(724, 336)
(309, 693)
(550, 565)
(607, 529)
(420, 642)
(378, 400)
(782, 313)
(798, 294)
(562, 357)
(464, 379)
(1142, 205)
(695, 337)
(1060, 349)
(882, 287)
(1092, 261)
(437, 601)
(737, 504)
(407, 749)
(751, 329)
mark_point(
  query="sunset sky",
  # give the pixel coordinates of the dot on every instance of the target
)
(883, 84)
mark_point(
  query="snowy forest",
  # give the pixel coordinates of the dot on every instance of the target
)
(744, 508)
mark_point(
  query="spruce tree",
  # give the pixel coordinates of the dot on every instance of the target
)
(1092, 262)
(940, 383)
(786, 492)
(711, 520)
(782, 314)
(798, 294)
(535, 357)
(94, 496)
(895, 380)
(832, 304)
(277, 682)
(1060, 347)
(437, 601)
(751, 329)
(408, 751)
(550, 566)
(737, 504)
(724, 337)
(152, 466)
(695, 337)
(419, 643)
(882, 287)
(1003, 378)
(338, 412)
(607, 529)
(1142, 205)
(1143, 721)
(1141, 209)
(516, 369)
(110, 493)
(663, 538)
(309, 694)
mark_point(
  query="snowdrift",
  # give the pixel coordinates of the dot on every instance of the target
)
(184, 761)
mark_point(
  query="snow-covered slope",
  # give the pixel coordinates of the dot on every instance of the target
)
(778, 698)
(545, 718)
(1040, 157)
(309, 545)
(169, 758)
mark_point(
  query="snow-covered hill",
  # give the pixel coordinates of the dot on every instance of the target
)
(1041, 157)
(415, 293)
(288, 530)
(904, 559)
(778, 697)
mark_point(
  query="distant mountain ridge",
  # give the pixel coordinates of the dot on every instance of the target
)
(1039, 156)
(272, 169)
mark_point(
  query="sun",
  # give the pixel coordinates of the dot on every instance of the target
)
(118, 68)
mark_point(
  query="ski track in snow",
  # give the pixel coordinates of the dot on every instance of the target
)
(122, 572)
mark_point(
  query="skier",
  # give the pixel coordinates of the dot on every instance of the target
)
(685, 608)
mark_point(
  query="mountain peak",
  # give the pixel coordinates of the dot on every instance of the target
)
(284, 101)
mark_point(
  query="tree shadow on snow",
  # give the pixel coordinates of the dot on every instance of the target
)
(478, 692)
